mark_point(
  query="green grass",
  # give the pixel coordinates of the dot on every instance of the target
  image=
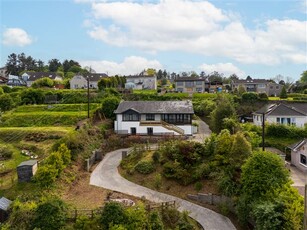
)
(16, 134)
(56, 108)
(147, 91)
(280, 99)
(197, 96)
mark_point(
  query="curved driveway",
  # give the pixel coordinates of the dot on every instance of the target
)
(106, 175)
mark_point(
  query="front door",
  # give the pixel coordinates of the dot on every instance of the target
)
(133, 130)
(149, 131)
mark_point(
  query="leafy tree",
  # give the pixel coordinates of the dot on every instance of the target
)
(6, 102)
(241, 89)
(46, 175)
(12, 64)
(136, 217)
(65, 154)
(50, 214)
(283, 93)
(249, 97)
(151, 71)
(224, 109)
(159, 74)
(241, 149)
(54, 64)
(303, 78)
(109, 105)
(263, 172)
(112, 214)
(55, 161)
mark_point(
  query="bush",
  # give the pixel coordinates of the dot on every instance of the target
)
(249, 97)
(5, 152)
(50, 214)
(109, 104)
(263, 96)
(112, 214)
(6, 102)
(32, 96)
(6, 89)
(43, 82)
(145, 167)
(198, 186)
(156, 157)
(46, 175)
(158, 181)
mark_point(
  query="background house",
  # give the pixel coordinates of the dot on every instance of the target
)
(282, 113)
(141, 81)
(15, 81)
(192, 85)
(257, 86)
(299, 155)
(30, 77)
(80, 81)
(154, 118)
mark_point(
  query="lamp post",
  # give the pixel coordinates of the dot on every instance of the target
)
(88, 97)
(263, 123)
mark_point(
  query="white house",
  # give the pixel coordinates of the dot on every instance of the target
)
(154, 118)
(299, 155)
(141, 81)
(30, 77)
(80, 81)
(282, 113)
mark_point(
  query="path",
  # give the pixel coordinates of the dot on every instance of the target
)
(203, 131)
(106, 175)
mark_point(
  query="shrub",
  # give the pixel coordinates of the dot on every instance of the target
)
(5, 152)
(145, 167)
(50, 215)
(6, 102)
(249, 97)
(109, 104)
(46, 175)
(32, 96)
(112, 214)
(158, 181)
(43, 82)
(263, 96)
(6, 89)
(156, 157)
(198, 186)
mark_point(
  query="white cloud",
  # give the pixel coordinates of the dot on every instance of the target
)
(226, 68)
(197, 27)
(131, 65)
(16, 37)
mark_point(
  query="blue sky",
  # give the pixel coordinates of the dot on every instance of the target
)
(261, 38)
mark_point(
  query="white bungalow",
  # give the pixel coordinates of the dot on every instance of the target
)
(154, 118)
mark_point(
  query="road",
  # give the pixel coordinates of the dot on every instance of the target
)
(107, 176)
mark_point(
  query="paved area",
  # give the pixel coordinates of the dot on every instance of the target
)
(106, 175)
(298, 179)
(203, 131)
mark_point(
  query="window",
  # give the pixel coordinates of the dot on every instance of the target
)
(179, 83)
(131, 117)
(199, 90)
(189, 84)
(199, 82)
(150, 117)
(303, 159)
(278, 119)
(261, 86)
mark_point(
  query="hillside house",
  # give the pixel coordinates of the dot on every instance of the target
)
(141, 81)
(80, 81)
(258, 86)
(191, 85)
(299, 155)
(282, 113)
(30, 77)
(154, 118)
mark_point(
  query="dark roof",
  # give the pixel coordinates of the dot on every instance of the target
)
(140, 75)
(95, 76)
(190, 79)
(252, 81)
(37, 75)
(28, 163)
(297, 145)
(284, 109)
(162, 107)
(5, 203)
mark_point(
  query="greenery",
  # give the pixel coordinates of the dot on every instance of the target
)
(6, 102)
(109, 105)
(145, 167)
(43, 82)
(283, 93)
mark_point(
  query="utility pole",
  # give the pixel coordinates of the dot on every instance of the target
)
(88, 97)
(263, 123)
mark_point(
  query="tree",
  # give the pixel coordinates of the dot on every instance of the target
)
(46, 175)
(283, 93)
(112, 214)
(155, 221)
(241, 89)
(54, 64)
(303, 78)
(51, 214)
(159, 74)
(65, 154)
(12, 64)
(109, 105)
(224, 109)
(6, 102)
(241, 149)
(262, 173)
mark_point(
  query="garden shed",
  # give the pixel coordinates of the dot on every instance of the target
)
(4, 206)
(26, 170)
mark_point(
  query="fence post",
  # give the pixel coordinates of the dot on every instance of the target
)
(87, 164)
(124, 154)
